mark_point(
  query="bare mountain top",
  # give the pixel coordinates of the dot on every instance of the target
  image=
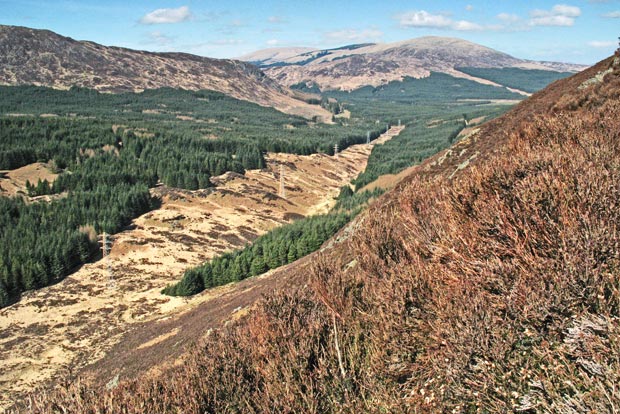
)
(42, 57)
(275, 55)
(351, 67)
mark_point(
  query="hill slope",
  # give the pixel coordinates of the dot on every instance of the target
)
(44, 58)
(354, 66)
(487, 281)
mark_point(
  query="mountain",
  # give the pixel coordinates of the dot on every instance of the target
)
(486, 281)
(354, 66)
(274, 55)
(42, 57)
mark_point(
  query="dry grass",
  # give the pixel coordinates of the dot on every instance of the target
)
(15, 181)
(187, 229)
(495, 291)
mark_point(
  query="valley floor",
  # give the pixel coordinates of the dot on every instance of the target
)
(58, 330)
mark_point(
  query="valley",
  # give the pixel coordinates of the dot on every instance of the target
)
(485, 281)
(74, 323)
(370, 224)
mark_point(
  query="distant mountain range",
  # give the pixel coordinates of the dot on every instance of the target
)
(41, 57)
(354, 66)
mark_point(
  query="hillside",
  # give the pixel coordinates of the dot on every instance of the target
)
(351, 67)
(487, 281)
(44, 58)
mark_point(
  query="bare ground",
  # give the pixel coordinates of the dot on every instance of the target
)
(13, 182)
(61, 329)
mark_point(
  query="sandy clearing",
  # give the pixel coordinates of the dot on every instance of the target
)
(15, 180)
(77, 321)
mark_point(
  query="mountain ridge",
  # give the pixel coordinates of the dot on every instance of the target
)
(45, 58)
(486, 281)
(354, 66)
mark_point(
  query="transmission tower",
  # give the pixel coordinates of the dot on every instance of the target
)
(387, 128)
(368, 137)
(336, 150)
(106, 248)
(282, 191)
(399, 122)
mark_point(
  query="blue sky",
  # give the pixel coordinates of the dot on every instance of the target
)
(580, 31)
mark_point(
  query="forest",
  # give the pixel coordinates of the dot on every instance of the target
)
(433, 109)
(433, 117)
(528, 80)
(110, 149)
(277, 248)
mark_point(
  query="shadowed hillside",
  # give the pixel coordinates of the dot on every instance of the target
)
(351, 67)
(44, 58)
(487, 281)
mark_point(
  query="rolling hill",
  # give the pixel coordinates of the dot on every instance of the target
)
(354, 66)
(486, 281)
(44, 58)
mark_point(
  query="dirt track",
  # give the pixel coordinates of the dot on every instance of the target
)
(87, 316)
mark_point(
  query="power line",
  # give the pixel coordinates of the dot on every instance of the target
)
(282, 190)
(106, 248)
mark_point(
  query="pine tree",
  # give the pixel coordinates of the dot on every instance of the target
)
(190, 284)
(258, 266)
(4, 295)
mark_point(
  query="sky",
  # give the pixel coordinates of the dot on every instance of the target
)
(578, 31)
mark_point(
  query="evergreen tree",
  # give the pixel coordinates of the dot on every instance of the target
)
(258, 266)
(4, 295)
(190, 284)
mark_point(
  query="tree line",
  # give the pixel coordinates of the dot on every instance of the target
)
(278, 247)
(43, 242)
(110, 149)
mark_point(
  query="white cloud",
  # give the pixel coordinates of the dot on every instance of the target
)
(552, 21)
(273, 42)
(160, 16)
(559, 15)
(565, 10)
(601, 44)
(469, 7)
(352, 35)
(423, 19)
(465, 26)
(508, 18)
(613, 15)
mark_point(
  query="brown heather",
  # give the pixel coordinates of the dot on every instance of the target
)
(496, 290)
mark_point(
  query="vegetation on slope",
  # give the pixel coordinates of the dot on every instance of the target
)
(438, 87)
(434, 129)
(435, 110)
(104, 142)
(528, 80)
(277, 248)
(213, 117)
(438, 120)
(110, 149)
(496, 290)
